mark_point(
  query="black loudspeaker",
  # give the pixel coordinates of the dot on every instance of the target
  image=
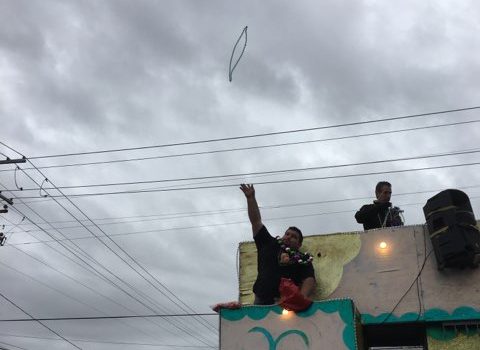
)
(448, 198)
(452, 228)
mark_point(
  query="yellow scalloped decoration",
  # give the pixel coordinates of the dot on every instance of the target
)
(336, 251)
(331, 253)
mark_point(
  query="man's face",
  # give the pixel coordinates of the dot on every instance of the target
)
(291, 239)
(384, 194)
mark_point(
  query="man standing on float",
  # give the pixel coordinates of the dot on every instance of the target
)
(277, 257)
(380, 213)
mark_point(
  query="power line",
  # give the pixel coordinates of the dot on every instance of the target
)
(108, 342)
(62, 293)
(169, 297)
(411, 116)
(193, 227)
(119, 287)
(97, 272)
(409, 288)
(202, 213)
(15, 346)
(206, 324)
(89, 318)
(103, 276)
(246, 148)
(2, 264)
(224, 223)
(271, 172)
(161, 326)
(176, 215)
(39, 321)
(95, 291)
(74, 253)
(171, 189)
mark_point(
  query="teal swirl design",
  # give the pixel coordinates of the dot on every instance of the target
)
(255, 312)
(459, 314)
(272, 343)
(344, 307)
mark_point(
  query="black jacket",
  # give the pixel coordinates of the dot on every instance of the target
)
(373, 215)
(270, 271)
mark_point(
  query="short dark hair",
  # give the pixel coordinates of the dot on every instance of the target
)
(379, 186)
(297, 230)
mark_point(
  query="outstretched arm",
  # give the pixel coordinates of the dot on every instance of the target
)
(253, 210)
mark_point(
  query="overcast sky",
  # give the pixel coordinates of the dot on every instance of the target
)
(86, 76)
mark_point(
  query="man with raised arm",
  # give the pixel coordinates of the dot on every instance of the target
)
(277, 257)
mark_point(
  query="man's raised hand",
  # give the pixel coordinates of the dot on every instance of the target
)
(248, 190)
(252, 206)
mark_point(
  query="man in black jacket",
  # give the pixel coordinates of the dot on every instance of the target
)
(277, 257)
(380, 213)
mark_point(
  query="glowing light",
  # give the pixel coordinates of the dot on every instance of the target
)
(382, 245)
(284, 312)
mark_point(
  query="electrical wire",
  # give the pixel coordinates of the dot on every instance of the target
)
(222, 224)
(177, 215)
(111, 282)
(408, 290)
(39, 321)
(15, 346)
(108, 342)
(161, 326)
(74, 253)
(129, 294)
(3, 264)
(272, 172)
(421, 310)
(94, 290)
(117, 317)
(14, 227)
(172, 296)
(171, 189)
(247, 148)
(100, 274)
(411, 116)
(103, 276)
